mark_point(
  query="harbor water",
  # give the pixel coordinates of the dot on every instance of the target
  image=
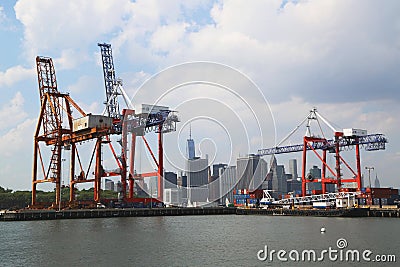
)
(209, 240)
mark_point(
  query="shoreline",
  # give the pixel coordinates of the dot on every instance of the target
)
(32, 215)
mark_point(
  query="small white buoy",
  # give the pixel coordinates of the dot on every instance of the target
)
(323, 230)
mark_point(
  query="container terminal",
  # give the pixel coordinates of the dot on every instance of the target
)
(59, 130)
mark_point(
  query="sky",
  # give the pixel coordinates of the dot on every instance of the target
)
(263, 65)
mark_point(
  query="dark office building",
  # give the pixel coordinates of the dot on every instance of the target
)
(170, 180)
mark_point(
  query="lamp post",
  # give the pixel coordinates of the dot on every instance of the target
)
(61, 182)
(369, 179)
(369, 174)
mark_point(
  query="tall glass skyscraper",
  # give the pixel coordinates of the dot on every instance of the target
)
(190, 146)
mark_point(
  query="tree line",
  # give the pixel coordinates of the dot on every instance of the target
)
(10, 199)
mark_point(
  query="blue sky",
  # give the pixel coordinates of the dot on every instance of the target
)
(341, 56)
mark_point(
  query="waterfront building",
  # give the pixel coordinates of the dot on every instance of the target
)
(173, 196)
(109, 185)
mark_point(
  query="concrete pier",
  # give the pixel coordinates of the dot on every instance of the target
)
(27, 215)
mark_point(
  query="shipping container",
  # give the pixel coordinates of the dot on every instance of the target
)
(354, 132)
(91, 121)
(151, 109)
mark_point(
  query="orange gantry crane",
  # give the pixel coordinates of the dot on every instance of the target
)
(57, 130)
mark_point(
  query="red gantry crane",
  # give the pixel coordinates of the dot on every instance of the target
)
(152, 118)
(347, 138)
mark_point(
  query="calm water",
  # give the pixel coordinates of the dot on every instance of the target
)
(227, 240)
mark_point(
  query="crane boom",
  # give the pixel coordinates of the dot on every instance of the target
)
(372, 142)
(110, 82)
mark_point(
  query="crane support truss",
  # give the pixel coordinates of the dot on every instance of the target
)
(110, 82)
(316, 198)
(138, 125)
(370, 142)
(49, 129)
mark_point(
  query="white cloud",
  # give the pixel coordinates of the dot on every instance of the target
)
(14, 75)
(12, 112)
(17, 139)
(17, 146)
(2, 14)
(64, 25)
(315, 48)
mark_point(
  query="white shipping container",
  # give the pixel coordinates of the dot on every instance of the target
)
(92, 121)
(354, 132)
(151, 109)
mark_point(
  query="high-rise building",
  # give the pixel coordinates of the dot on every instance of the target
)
(293, 185)
(251, 171)
(197, 172)
(214, 181)
(377, 183)
(213, 188)
(190, 146)
(170, 180)
(315, 172)
(278, 178)
(197, 180)
(217, 167)
(293, 168)
(227, 181)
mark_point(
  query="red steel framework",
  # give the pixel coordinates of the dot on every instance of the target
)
(371, 142)
(309, 143)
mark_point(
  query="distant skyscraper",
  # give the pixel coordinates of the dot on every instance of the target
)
(278, 178)
(190, 145)
(170, 180)
(227, 181)
(217, 167)
(251, 172)
(293, 168)
(377, 183)
(197, 180)
(197, 172)
(315, 172)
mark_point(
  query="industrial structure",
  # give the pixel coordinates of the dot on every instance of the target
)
(341, 138)
(58, 130)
